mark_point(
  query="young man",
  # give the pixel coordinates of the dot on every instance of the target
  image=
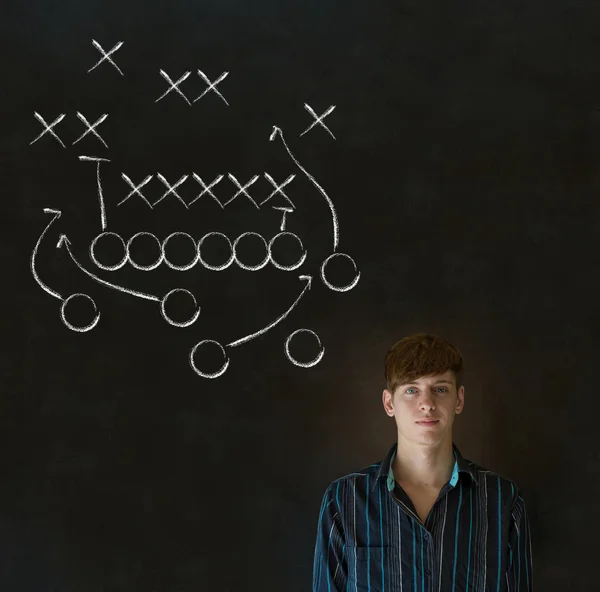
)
(424, 518)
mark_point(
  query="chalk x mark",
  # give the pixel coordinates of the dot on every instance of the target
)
(212, 85)
(63, 240)
(173, 86)
(336, 230)
(206, 188)
(100, 196)
(242, 190)
(279, 188)
(171, 189)
(48, 127)
(136, 189)
(318, 119)
(278, 320)
(91, 128)
(106, 55)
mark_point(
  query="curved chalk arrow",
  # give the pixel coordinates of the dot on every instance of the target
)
(336, 229)
(278, 320)
(57, 214)
(66, 242)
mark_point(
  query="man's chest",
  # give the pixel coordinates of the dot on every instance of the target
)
(423, 499)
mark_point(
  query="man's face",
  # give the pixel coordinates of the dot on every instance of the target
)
(433, 396)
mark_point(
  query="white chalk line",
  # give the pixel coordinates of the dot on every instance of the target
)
(285, 212)
(56, 215)
(336, 230)
(99, 184)
(276, 321)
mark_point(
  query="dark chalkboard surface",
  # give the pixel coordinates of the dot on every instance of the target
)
(220, 215)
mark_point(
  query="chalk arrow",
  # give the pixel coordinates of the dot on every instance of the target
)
(64, 241)
(278, 320)
(57, 214)
(336, 230)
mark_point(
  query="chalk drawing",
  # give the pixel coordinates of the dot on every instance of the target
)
(336, 230)
(196, 246)
(212, 85)
(174, 86)
(54, 293)
(318, 119)
(91, 128)
(313, 362)
(106, 55)
(48, 127)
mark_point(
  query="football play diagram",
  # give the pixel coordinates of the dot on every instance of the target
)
(240, 190)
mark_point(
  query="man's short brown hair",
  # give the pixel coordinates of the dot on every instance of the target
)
(419, 355)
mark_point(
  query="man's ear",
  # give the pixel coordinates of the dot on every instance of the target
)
(460, 399)
(387, 399)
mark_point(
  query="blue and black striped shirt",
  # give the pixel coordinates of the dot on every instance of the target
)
(370, 538)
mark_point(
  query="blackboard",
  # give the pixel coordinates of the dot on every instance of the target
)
(323, 178)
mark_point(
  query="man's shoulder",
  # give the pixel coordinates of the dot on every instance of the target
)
(359, 477)
(486, 479)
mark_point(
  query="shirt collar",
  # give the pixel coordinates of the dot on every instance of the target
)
(385, 469)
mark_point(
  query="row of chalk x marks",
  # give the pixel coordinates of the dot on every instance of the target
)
(91, 128)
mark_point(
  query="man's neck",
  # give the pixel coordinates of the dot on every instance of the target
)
(423, 466)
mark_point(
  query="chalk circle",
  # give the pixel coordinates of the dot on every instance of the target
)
(251, 267)
(187, 323)
(101, 265)
(339, 288)
(313, 362)
(216, 267)
(173, 265)
(293, 265)
(74, 327)
(138, 265)
(205, 374)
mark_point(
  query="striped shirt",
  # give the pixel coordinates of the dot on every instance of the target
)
(370, 538)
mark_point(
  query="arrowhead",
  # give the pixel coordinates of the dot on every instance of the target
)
(63, 240)
(309, 278)
(274, 133)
